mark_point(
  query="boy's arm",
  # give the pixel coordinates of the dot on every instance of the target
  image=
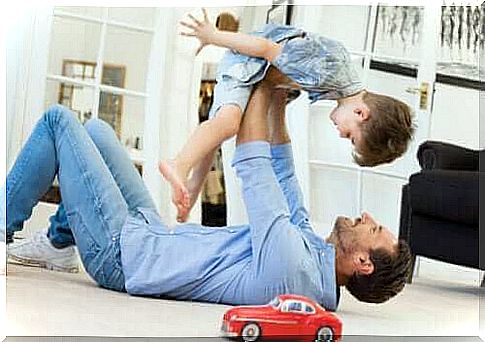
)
(245, 44)
(282, 160)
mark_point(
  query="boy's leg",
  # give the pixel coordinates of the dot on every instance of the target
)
(194, 184)
(94, 205)
(207, 136)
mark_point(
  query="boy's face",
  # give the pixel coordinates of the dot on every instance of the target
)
(348, 117)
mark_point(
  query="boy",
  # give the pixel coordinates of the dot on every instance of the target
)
(379, 126)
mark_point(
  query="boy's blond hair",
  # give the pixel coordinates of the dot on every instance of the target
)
(387, 133)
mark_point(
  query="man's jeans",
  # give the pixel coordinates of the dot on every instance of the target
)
(99, 186)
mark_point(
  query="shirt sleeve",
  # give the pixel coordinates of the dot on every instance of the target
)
(284, 169)
(266, 206)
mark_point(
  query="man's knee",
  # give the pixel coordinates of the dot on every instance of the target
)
(94, 123)
(96, 126)
(56, 114)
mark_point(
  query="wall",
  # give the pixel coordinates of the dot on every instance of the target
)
(455, 116)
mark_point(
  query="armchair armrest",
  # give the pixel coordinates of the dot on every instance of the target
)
(440, 155)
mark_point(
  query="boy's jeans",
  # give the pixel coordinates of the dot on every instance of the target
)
(98, 182)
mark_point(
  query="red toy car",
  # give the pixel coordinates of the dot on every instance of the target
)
(285, 317)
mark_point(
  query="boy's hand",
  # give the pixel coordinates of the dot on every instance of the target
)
(203, 30)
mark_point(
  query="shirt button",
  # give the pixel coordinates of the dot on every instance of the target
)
(172, 232)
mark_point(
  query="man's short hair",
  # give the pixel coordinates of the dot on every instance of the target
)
(387, 133)
(388, 279)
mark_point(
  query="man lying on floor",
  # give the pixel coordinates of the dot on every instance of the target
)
(125, 246)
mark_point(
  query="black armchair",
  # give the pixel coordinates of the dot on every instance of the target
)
(440, 205)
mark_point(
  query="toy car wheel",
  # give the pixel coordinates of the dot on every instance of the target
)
(325, 334)
(250, 332)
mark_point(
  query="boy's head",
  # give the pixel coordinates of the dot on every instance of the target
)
(379, 126)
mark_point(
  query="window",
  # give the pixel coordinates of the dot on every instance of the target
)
(294, 307)
(104, 73)
(309, 309)
(275, 302)
(97, 67)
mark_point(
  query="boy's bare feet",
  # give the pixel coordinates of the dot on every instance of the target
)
(184, 212)
(194, 186)
(180, 194)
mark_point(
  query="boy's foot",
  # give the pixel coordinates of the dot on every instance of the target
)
(184, 212)
(180, 194)
(194, 187)
(38, 251)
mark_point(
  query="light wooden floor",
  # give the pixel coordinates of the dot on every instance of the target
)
(41, 302)
(444, 300)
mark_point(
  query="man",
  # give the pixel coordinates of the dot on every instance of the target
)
(277, 252)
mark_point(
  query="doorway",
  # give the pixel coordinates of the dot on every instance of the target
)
(213, 195)
(398, 51)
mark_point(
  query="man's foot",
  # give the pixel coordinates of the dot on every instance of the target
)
(38, 251)
(180, 194)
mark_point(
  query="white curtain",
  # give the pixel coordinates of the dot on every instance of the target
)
(27, 55)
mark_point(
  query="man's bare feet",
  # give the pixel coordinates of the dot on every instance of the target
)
(180, 194)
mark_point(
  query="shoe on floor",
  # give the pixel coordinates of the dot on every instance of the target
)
(38, 251)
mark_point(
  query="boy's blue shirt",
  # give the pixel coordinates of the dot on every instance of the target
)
(320, 65)
(276, 253)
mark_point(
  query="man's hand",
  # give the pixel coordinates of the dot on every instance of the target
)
(203, 30)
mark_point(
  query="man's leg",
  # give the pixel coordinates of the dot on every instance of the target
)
(120, 165)
(95, 207)
(39, 253)
(59, 233)
(125, 174)
(52, 249)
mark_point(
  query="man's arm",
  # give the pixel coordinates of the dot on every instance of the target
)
(245, 44)
(268, 214)
(282, 159)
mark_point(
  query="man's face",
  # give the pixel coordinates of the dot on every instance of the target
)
(361, 234)
(348, 117)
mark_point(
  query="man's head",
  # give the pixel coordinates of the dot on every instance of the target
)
(379, 126)
(370, 262)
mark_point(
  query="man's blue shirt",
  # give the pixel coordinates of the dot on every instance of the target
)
(276, 253)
